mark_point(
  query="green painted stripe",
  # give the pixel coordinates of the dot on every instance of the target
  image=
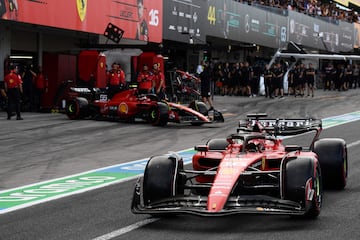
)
(26, 196)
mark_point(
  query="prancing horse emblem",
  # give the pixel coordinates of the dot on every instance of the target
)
(81, 7)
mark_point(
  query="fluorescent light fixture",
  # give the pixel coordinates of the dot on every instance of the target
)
(21, 57)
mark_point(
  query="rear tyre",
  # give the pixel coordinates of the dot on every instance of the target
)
(77, 108)
(159, 115)
(332, 155)
(162, 178)
(302, 183)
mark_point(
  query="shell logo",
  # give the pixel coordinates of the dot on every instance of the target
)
(263, 163)
(81, 8)
(123, 108)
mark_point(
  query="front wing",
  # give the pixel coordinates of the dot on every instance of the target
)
(197, 205)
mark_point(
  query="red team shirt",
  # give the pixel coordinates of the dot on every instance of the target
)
(13, 80)
(117, 78)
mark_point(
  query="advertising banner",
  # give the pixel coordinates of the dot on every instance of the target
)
(184, 19)
(356, 35)
(346, 36)
(139, 19)
(319, 34)
(242, 22)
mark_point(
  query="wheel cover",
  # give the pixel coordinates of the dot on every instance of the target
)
(153, 114)
(72, 108)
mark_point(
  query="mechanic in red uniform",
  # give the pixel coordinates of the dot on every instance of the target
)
(13, 89)
(116, 79)
(145, 80)
(41, 86)
(158, 81)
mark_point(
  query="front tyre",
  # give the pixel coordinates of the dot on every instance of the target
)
(162, 178)
(302, 183)
(199, 107)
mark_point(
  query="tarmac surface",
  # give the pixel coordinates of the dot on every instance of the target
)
(46, 146)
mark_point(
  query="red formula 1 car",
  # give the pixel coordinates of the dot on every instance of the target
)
(128, 105)
(248, 172)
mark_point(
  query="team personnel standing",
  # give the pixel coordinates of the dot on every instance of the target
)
(226, 76)
(205, 77)
(41, 86)
(268, 75)
(247, 75)
(116, 79)
(329, 75)
(144, 80)
(340, 76)
(235, 79)
(291, 84)
(278, 80)
(310, 79)
(356, 74)
(158, 81)
(13, 89)
(348, 77)
(297, 80)
(2, 95)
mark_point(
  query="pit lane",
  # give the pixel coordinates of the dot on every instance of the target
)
(52, 147)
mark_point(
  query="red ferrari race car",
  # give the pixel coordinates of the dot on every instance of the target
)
(128, 105)
(250, 171)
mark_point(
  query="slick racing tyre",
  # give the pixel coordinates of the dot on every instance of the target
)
(162, 178)
(332, 154)
(77, 108)
(302, 183)
(159, 115)
(199, 107)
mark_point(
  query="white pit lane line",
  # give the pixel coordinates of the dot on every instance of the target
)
(353, 144)
(126, 229)
(144, 222)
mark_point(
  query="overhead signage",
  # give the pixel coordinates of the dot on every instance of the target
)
(320, 34)
(140, 19)
(185, 19)
(245, 23)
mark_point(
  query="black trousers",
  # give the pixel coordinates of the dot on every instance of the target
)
(14, 99)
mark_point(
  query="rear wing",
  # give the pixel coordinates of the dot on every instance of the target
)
(280, 126)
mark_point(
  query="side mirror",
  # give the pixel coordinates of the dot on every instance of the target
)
(292, 148)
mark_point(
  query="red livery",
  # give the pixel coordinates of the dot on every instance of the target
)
(128, 105)
(250, 171)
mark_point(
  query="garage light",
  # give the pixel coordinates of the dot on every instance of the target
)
(21, 57)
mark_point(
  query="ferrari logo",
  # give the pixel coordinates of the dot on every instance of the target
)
(81, 7)
(123, 108)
